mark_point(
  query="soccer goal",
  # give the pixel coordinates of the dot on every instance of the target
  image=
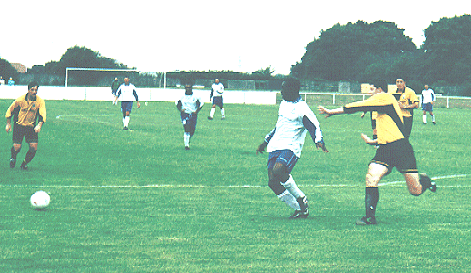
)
(67, 69)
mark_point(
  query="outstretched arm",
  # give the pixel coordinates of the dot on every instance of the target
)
(330, 112)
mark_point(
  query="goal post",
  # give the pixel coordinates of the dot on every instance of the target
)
(67, 69)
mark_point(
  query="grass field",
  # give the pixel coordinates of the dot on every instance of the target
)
(136, 201)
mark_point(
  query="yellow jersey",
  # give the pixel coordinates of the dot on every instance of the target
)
(407, 98)
(389, 119)
(27, 113)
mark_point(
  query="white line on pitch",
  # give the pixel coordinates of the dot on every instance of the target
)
(232, 186)
(433, 178)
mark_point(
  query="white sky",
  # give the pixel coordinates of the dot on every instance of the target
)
(197, 35)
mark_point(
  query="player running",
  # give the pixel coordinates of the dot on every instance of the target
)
(394, 148)
(29, 112)
(127, 94)
(285, 143)
(428, 98)
(189, 106)
(217, 89)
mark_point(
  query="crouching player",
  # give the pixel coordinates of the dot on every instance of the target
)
(285, 143)
(189, 106)
(394, 148)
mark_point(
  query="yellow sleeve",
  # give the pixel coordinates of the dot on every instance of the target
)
(412, 96)
(10, 110)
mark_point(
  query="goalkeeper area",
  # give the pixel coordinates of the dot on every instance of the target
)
(137, 201)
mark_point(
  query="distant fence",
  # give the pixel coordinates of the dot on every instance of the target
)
(239, 97)
(145, 94)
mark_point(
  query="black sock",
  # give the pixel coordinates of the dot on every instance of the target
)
(371, 200)
(30, 155)
(14, 153)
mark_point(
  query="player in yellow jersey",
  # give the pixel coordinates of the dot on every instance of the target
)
(408, 101)
(394, 149)
(29, 112)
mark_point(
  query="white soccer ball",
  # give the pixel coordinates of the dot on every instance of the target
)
(40, 200)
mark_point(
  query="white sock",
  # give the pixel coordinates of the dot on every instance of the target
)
(289, 199)
(291, 186)
(222, 112)
(424, 118)
(433, 118)
(186, 139)
(126, 121)
(211, 113)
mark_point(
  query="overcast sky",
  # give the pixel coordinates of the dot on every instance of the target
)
(197, 35)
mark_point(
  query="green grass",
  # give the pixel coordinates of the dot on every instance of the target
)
(136, 201)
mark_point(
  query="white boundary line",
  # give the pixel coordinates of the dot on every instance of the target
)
(233, 186)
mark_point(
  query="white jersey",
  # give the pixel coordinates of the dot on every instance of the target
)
(127, 93)
(290, 130)
(190, 103)
(428, 96)
(218, 89)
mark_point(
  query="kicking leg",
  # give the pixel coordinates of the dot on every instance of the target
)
(419, 183)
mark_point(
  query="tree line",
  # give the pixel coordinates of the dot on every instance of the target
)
(355, 52)
(364, 51)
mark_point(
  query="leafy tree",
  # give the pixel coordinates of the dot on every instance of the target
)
(82, 57)
(7, 70)
(350, 52)
(448, 50)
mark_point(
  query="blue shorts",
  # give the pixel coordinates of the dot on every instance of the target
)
(217, 100)
(285, 157)
(189, 121)
(126, 106)
(428, 107)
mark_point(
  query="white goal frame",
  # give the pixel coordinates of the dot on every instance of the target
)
(94, 69)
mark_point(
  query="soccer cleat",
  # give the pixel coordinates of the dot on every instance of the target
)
(303, 205)
(427, 183)
(299, 214)
(125, 128)
(363, 221)
(12, 163)
(210, 118)
(187, 148)
(23, 166)
(434, 123)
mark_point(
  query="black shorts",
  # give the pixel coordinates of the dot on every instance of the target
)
(397, 154)
(26, 132)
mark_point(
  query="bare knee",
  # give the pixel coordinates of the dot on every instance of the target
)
(375, 174)
(280, 172)
(372, 180)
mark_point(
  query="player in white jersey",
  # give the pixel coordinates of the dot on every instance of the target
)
(127, 94)
(189, 106)
(285, 143)
(428, 98)
(217, 89)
